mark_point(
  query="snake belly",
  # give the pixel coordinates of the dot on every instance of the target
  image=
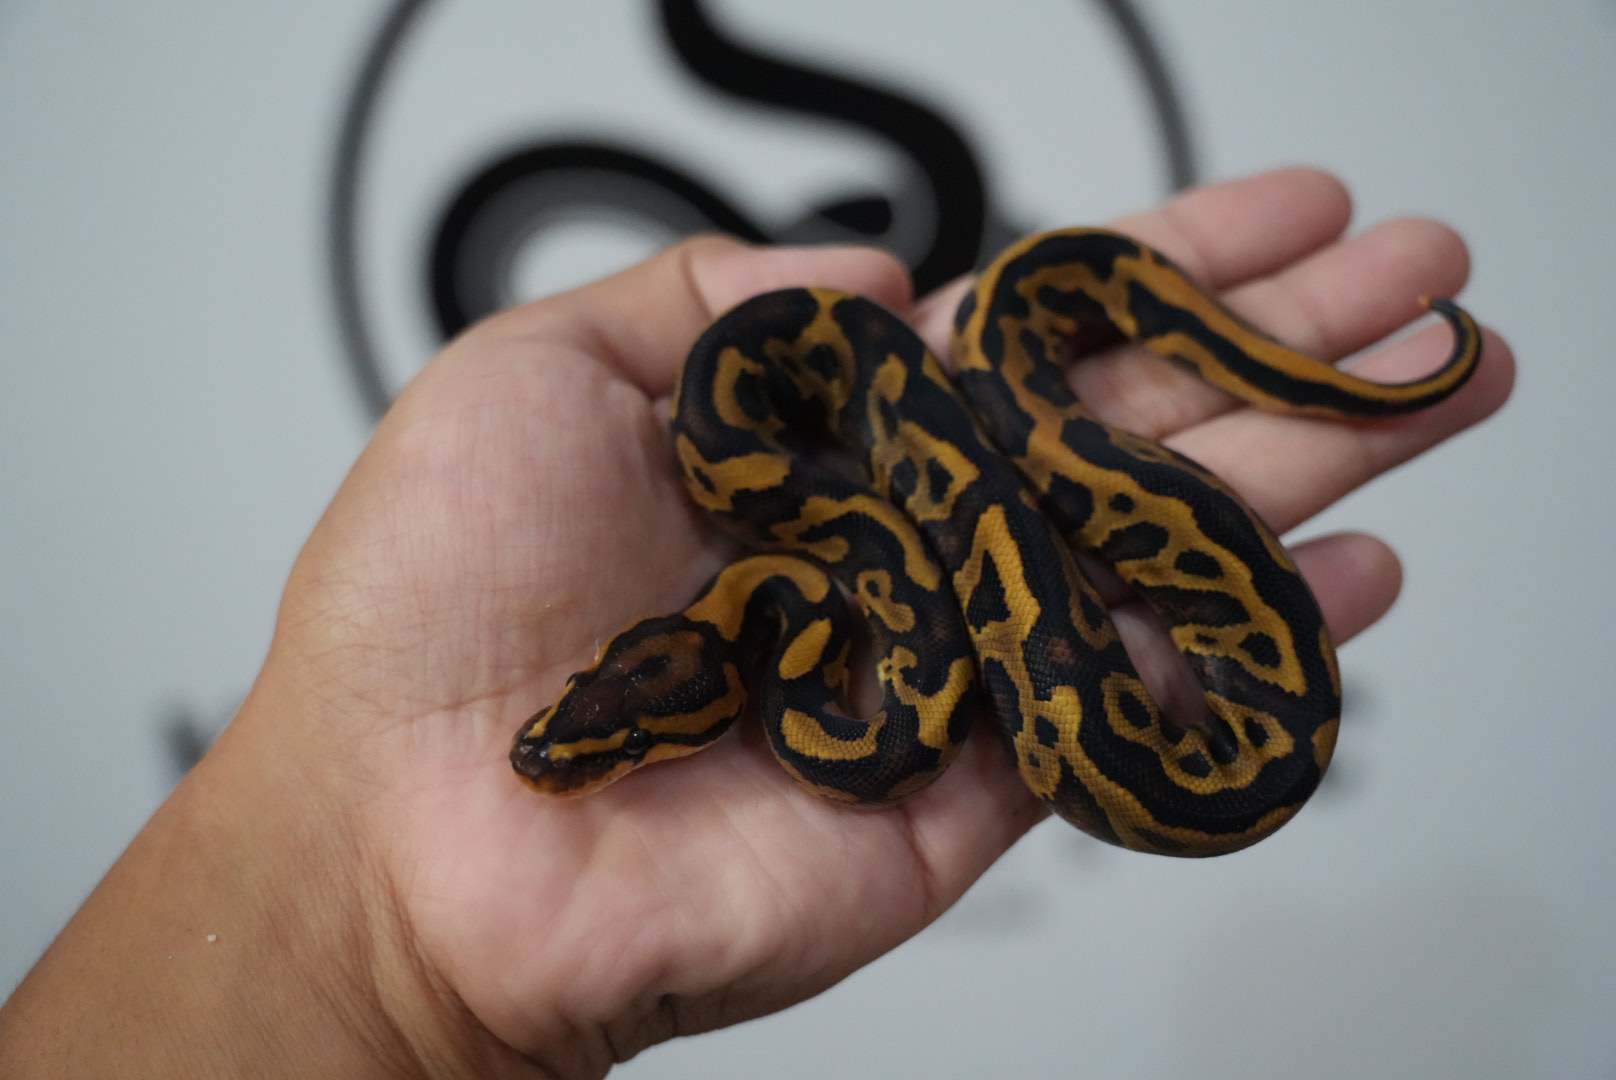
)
(957, 547)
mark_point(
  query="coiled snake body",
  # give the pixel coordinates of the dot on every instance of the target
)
(958, 549)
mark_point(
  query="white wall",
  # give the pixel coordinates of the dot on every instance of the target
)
(174, 412)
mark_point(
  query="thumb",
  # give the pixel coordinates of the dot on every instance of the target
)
(644, 319)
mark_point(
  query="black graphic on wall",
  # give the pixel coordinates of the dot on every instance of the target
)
(935, 223)
(941, 220)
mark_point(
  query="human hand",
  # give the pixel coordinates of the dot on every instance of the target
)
(520, 504)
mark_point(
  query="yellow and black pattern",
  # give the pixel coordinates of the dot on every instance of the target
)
(959, 554)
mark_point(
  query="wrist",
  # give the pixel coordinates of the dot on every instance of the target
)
(247, 930)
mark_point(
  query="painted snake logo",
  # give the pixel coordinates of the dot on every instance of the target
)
(941, 220)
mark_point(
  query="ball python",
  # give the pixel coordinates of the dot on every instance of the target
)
(957, 542)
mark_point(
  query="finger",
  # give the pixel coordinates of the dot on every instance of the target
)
(1354, 577)
(1328, 305)
(1229, 233)
(1222, 234)
(643, 320)
(1348, 296)
(1289, 468)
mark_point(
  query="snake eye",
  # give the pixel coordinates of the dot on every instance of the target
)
(637, 741)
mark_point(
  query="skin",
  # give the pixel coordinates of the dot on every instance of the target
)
(388, 899)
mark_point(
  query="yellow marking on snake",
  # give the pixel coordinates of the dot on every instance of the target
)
(753, 472)
(733, 367)
(724, 605)
(807, 736)
(806, 651)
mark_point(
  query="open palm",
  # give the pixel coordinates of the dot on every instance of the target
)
(520, 504)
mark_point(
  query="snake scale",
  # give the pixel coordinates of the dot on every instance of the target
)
(957, 544)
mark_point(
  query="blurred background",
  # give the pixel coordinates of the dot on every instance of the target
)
(229, 233)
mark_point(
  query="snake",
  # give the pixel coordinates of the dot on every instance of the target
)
(954, 513)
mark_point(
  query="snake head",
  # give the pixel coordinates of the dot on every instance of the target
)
(661, 689)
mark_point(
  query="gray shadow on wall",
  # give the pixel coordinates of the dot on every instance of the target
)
(1450, 976)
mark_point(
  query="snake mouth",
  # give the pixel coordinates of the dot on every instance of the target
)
(565, 775)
